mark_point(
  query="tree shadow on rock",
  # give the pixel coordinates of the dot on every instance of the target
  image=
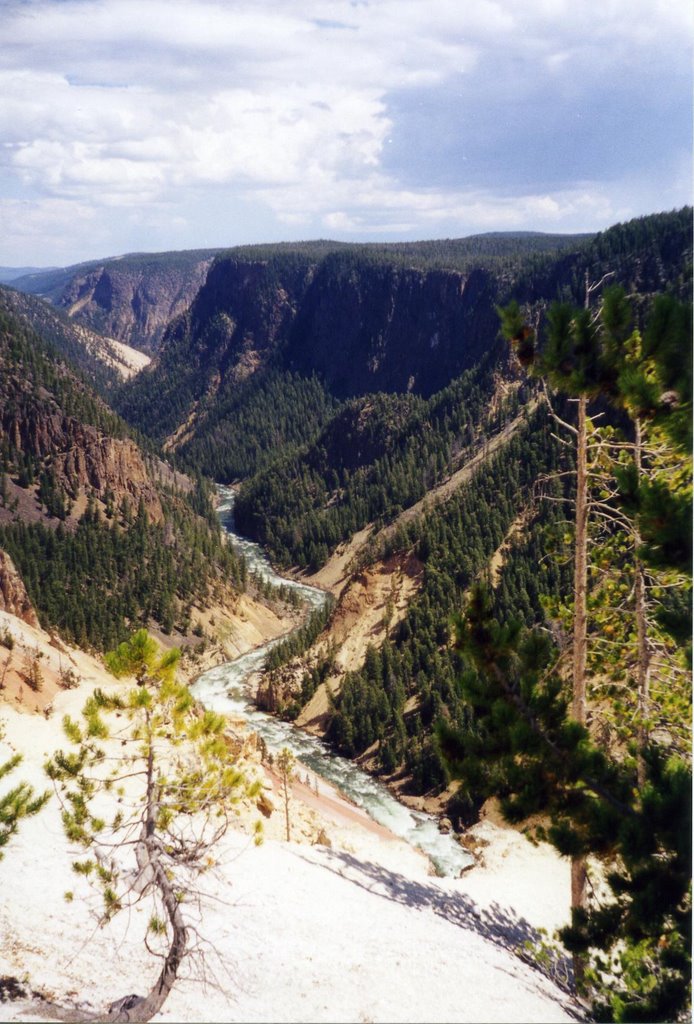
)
(498, 925)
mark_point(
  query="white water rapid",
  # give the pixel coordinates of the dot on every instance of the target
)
(225, 689)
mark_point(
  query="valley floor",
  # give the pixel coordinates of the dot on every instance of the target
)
(355, 931)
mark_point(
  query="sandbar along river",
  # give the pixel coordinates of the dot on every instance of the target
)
(225, 689)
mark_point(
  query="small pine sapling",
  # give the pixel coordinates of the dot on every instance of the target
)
(147, 792)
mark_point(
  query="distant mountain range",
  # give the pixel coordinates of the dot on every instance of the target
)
(9, 274)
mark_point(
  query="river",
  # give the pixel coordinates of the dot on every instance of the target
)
(225, 689)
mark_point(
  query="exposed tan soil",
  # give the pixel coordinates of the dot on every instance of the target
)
(231, 628)
(183, 432)
(319, 813)
(59, 666)
(498, 559)
(336, 573)
(129, 360)
(370, 604)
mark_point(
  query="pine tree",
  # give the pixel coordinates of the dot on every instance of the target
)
(570, 361)
(175, 786)
(16, 803)
(634, 950)
(633, 954)
(286, 763)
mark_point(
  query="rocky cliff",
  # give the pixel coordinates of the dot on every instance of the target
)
(354, 320)
(360, 326)
(365, 328)
(131, 299)
(13, 596)
(354, 324)
(82, 460)
(104, 535)
(242, 316)
(60, 443)
(132, 305)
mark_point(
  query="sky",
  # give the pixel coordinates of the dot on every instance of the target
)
(150, 125)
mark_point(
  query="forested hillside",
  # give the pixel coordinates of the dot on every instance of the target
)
(99, 360)
(401, 691)
(103, 534)
(279, 334)
(377, 456)
(380, 454)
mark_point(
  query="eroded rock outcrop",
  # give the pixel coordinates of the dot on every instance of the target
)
(13, 596)
(277, 690)
(107, 466)
(82, 459)
(134, 301)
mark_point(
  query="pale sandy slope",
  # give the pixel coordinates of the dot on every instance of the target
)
(359, 932)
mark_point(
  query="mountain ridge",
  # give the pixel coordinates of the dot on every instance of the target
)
(102, 533)
(130, 298)
(358, 319)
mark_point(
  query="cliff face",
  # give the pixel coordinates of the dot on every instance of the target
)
(242, 315)
(133, 305)
(61, 445)
(382, 328)
(104, 535)
(357, 325)
(82, 460)
(360, 327)
(101, 465)
(13, 596)
(131, 299)
(357, 320)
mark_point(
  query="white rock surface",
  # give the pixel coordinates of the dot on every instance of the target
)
(300, 933)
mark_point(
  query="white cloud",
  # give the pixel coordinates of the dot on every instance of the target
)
(32, 222)
(113, 104)
(377, 208)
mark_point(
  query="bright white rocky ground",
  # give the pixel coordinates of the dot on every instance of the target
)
(301, 931)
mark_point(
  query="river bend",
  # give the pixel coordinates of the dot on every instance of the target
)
(225, 689)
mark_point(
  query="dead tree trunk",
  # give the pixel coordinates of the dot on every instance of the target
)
(643, 664)
(142, 1008)
(579, 877)
(580, 631)
(580, 624)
